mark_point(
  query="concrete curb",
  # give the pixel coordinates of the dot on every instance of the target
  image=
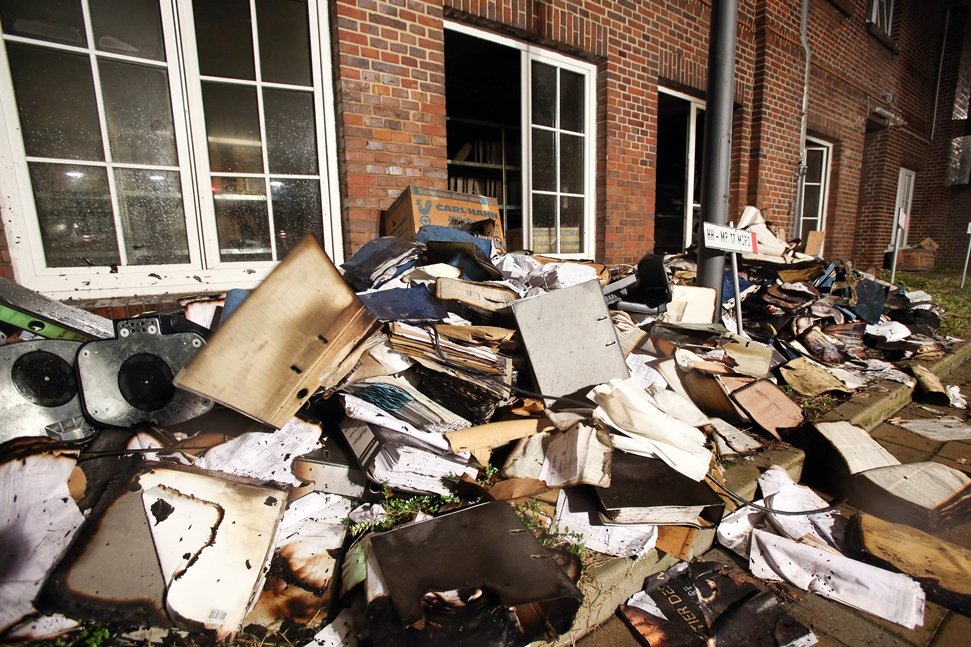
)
(870, 409)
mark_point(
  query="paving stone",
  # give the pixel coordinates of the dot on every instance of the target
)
(899, 436)
(956, 632)
(956, 449)
(843, 624)
(906, 454)
(934, 616)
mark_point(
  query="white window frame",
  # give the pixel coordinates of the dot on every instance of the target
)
(880, 15)
(696, 105)
(906, 179)
(827, 150)
(530, 53)
(204, 272)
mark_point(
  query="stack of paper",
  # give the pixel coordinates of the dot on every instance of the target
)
(929, 496)
(398, 397)
(402, 461)
(467, 361)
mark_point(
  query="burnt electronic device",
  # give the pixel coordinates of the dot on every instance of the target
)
(39, 394)
(128, 380)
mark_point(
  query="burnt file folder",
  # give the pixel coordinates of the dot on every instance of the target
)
(647, 490)
(300, 331)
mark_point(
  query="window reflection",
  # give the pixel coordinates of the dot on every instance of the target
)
(241, 219)
(74, 210)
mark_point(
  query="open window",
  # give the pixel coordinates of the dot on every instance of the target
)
(521, 125)
(680, 139)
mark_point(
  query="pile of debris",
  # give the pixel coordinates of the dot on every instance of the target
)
(402, 453)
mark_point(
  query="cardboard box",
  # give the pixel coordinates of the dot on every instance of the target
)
(915, 259)
(418, 206)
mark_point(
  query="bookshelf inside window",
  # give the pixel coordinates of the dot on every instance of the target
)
(483, 159)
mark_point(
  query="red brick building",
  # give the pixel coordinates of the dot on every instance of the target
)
(183, 147)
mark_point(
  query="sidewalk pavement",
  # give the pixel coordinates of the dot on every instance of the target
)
(607, 585)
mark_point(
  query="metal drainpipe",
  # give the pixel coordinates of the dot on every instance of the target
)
(716, 167)
(804, 123)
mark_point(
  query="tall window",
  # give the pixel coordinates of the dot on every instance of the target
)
(814, 188)
(521, 129)
(880, 14)
(160, 146)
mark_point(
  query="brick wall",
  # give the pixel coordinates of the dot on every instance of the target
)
(390, 92)
(636, 46)
(390, 104)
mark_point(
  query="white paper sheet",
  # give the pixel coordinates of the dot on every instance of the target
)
(891, 596)
(781, 493)
(339, 633)
(262, 455)
(643, 373)
(578, 455)
(217, 588)
(312, 527)
(38, 519)
(626, 408)
(856, 446)
(182, 526)
(940, 429)
(358, 409)
(621, 540)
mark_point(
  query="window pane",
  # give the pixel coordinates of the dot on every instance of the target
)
(233, 128)
(291, 140)
(571, 101)
(152, 217)
(138, 112)
(55, 97)
(571, 163)
(284, 41)
(59, 21)
(544, 94)
(296, 212)
(241, 219)
(132, 27)
(224, 36)
(571, 225)
(544, 224)
(544, 161)
(699, 154)
(810, 201)
(814, 165)
(74, 212)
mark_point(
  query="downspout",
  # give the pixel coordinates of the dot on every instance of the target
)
(940, 70)
(803, 123)
(717, 153)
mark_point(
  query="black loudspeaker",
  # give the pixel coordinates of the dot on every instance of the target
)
(128, 380)
(39, 394)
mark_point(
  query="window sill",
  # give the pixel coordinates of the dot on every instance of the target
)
(882, 36)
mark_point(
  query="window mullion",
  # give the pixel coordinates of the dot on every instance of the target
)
(105, 141)
(262, 117)
(175, 60)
